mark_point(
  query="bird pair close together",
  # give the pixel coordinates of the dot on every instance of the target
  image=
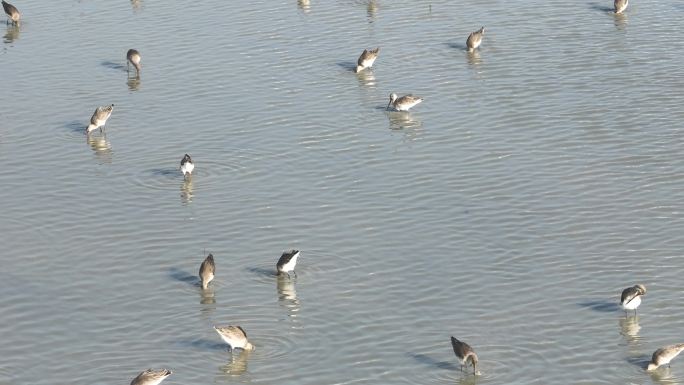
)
(403, 103)
(286, 264)
(631, 299)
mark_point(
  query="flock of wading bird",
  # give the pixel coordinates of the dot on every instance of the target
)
(235, 336)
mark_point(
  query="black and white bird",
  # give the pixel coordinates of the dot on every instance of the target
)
(475, 39)
(99, 118)
(12, 12)
(465, 354)
(664, 355)
(367, 59)
(151, 377)
(631, 297)
(287, 261)
(206, 271)
(186, 166)
(620, 5)
(133, 57)
(235, 336)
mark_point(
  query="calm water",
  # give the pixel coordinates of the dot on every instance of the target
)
(540, 177)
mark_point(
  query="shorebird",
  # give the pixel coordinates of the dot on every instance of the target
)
(206, 271)
(151, 377)
(403, 103)
(475, 39)
(664, 355)
(367, 59)
(187, 166)
(631, 297)
(620, 5)
(12, 12)
(133, 57)
(287, 261)
(99, 118)
(234, 336)
(465, 353)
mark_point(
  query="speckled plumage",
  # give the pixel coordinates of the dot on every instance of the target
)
(475, 39)
(235, 336)
(133, 57)
(464, 353)
(403, 103)
(12, 12)
(100, 117)
(206, 271)
(664, 355)
(151, 377)
(620, 5)
(367, 59)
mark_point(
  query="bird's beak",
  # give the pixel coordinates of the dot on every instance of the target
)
(388, 104)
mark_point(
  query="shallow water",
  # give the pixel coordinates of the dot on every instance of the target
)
(540, 177)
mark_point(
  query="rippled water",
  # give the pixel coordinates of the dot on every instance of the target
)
(541, 176)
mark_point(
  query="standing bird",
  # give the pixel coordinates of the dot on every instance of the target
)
(367, 59)
(403, 103)
(475, 39)
(631, 297)
(287, 261)
(206, 271)
(151, 377)
(664, 355)
(12, 12)
(234, 336)
(133, 57)
(99, 118)
(620, 5)
(187, 166)
(465, 353)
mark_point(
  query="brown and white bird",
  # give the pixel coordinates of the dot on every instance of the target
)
(151, 377)
(12, 12)
(403, 103)
(664, 355)
(133, 57)
(475, 39)
(465, 354)
(620, 5)
(235, 336)
(367, 59)
(631, 297)
(206, 271)
(287, 262)
(99, 118)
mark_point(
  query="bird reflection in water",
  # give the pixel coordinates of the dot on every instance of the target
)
(620, 21)
(186, 191)
(304, 5)
(134, 83)
(629, 328)
(101, 147)
(664, 376)
(287, 294)
(237, 364)
(12, 33)
(371, 10)
(467, 380)
(474, 59)
(136, 4)
(403, 120)
(366, 78)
